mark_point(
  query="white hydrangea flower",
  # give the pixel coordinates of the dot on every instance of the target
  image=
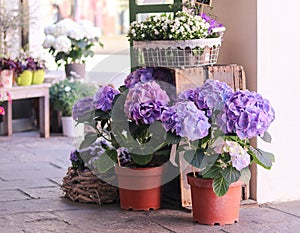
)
(76, 33)
(92, 32)
(239, 157)
(63, 26)
(49, 41)
(49, 30)
(63, 44)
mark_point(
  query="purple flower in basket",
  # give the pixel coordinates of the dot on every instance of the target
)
(212, 96)
(213, 23)
(74, 155)
(104, 98)
(140, 75)
(145, 102)
(185, 120)
(247, 114)
(83, 106)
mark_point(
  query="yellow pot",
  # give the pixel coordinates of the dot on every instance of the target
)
(38, 77)
(25, 78)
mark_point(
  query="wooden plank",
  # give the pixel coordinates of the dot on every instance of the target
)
(188, 78)
(7, 119)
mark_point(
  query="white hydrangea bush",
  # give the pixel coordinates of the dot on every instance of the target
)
(69, 41)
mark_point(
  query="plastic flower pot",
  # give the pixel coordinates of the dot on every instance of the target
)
(38, 77)
(75, 70)
(140, 188)
(25, 78)
(69, 129)
(208, 208)
(6, 78)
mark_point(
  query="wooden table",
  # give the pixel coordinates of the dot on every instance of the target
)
(27, 92)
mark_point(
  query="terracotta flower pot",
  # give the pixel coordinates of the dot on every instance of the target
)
(210, 209)
(77, 70)
(25, 78)
(140, 188)
(38, 77)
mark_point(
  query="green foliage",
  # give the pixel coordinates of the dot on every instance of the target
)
(64, 94)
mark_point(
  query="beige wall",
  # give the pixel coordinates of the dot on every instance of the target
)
(239, 45)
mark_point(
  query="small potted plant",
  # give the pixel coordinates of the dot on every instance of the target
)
(24, 70)
(63, 96)
(213, 125)
(38, 75)
(71, 43)
(129, 120)
(7, 67)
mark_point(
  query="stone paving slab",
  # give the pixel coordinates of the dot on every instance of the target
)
(44, 193)
(12, 195)
(15, 184)
(36, 205)
(292, 208)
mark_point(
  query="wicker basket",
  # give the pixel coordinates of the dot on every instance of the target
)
(171, 53)
(84, 186)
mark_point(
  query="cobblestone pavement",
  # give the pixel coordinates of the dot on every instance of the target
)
(32, 168)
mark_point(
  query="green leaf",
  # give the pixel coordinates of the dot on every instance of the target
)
(172, 138)
(141, 159)
(211, 173)
(199, 160)
(231, 174)
(189, 156)
(88, 140)
(245, 175)
(264, 159)
(266, 137)
(220, 186)
(101, 115)
(106, 161)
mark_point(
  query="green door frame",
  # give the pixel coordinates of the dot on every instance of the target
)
(135, 9)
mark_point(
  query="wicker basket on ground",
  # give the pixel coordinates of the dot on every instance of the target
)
(84, 186)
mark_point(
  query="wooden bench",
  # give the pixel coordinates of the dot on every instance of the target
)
(27, 92)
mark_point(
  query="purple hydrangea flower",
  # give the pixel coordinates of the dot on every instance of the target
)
(186, 120)
(212, 96)
(144, 102)
(188, 95)
(140, 75)
(239, 157)
(247, 114)
(74, 155)
(82, 106)
(104, 98)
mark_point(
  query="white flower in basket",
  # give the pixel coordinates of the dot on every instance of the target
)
(182, 41)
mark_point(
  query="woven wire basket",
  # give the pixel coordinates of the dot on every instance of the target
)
(170, 53)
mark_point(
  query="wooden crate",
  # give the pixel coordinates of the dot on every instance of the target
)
(188, 78)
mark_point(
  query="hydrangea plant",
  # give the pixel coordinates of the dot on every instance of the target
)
(127, 120)
(223, 152)
(70, 41)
